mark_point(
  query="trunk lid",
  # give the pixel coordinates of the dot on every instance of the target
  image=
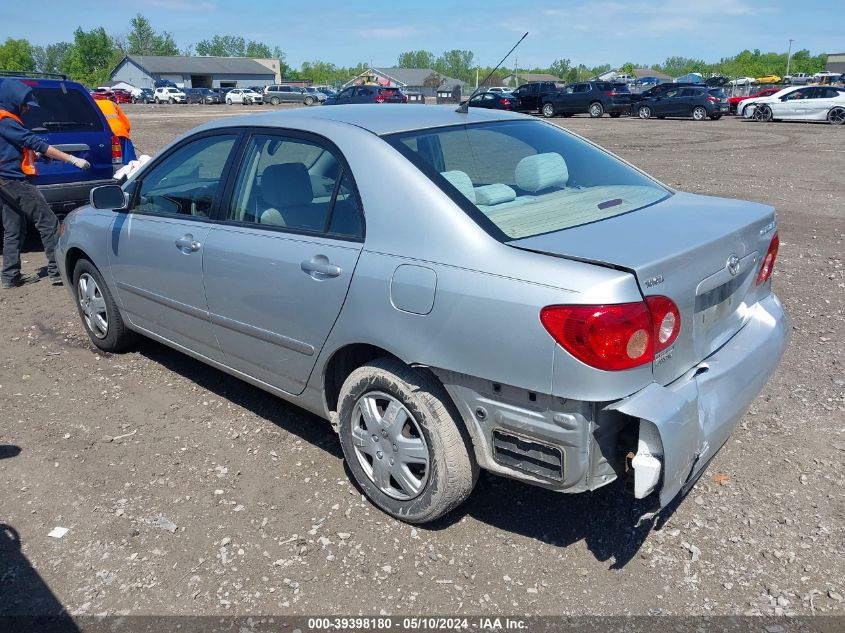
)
(704, 253)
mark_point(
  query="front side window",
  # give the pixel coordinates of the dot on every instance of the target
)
(186, 182)
(523, 178)
(296, 184)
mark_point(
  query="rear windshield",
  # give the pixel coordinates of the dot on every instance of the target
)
(388, 91)
(718, 92)
(71, 111)
(518, 179)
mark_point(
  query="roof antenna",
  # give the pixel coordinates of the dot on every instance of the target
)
(464, 107)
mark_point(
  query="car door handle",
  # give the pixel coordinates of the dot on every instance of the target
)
(319, 267)
(187, 244)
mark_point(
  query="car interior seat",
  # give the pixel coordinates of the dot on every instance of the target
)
(286, 189)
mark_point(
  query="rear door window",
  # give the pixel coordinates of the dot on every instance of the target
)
(59, 111)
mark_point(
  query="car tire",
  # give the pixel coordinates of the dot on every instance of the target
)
(644, 112)
(763, 113)
(275, 101)
(836, 116)
(596, 110)
(548, 110)
(100, 315)
(228, 102)
(309, 101)
(699, 113)
(433, 440)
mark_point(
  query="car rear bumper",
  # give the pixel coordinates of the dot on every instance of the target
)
(575, 446)
(65, 197)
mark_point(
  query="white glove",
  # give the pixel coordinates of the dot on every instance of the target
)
(80, 163)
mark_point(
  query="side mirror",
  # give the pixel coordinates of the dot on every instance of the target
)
(108, 198)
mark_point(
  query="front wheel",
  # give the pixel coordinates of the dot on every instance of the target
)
(836, 116)
(171, 101)
(548, 110)
(228, 102)
(402, 440)
(699, 113)
(596, 110)
(275, 101)
(309, 101)
(98, 310)
(763, 113)
(644, 112)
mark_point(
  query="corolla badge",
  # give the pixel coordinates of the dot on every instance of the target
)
(733, 264)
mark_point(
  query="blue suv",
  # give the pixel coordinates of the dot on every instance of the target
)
(69, 120)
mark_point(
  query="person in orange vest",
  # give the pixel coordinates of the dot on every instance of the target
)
(120, 127)
(19, 198)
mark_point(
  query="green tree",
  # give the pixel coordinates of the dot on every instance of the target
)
(144, 40)
(49, 59)
(416, 59)
(16, 55)
(91, 57)
(456, 63)
(627, 68)
(560, 68)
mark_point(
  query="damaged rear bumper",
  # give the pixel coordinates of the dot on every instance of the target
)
(695, 414)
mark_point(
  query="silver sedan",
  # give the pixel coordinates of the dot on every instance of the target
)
(452, 291)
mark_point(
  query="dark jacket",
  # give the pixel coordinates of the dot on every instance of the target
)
(14, 136)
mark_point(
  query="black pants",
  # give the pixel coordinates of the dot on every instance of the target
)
(21, 201)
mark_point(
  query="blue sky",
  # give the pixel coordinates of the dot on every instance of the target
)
(585, 31)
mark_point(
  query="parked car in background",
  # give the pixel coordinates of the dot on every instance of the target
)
(735, 103)
(716, 81)
(797, 79)
(317, 94)
(768, 79)
(648, 81)
(590, 97)
(327, 90)
(624, 79)
(492, 100)
(169, 94)
(530, 96)
(68, 119)
(205, 96)
(277, 94)
(742, 81)
(104, 93)
(699, 103)
(500, 89)
(802, 103)
(143, 95)
(244, 96)
(825, 75)
(367, 94)
(524, 295)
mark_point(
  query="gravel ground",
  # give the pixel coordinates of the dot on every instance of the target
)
(188, 492)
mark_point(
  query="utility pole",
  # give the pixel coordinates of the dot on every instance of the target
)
(789, 57)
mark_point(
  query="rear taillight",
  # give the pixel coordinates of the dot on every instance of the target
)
(404, 99)
(768, 266)
(116, 155)
(379, 99)
(612, 94)
(614, 337)
(505, 102)
(713, 99)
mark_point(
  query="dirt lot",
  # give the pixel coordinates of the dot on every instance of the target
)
(120, 449)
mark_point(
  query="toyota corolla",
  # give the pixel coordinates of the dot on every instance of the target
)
(452, 291)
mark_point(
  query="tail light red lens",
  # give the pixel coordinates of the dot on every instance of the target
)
(116, 155)
(614, 337)
(379, 99)
(713, 99)
(768, 266)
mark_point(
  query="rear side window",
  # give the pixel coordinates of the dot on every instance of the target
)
(70, 111)
(524, 178)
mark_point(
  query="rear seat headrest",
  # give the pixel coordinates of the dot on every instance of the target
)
(541, 171)
(462, 182)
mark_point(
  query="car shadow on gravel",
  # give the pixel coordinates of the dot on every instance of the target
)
(284, 415)
(604, 519)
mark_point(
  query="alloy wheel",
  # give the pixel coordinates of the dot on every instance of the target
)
(596, 110)
(548, 110)
(390, 445)
(699, 113)
(763, 113)
(836, 116)
(93, 306)
(644, 112)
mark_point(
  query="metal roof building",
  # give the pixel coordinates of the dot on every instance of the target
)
(142, 71)
(835, 62)
(421, 80)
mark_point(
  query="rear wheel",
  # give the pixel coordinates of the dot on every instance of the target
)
(228, 102)
(98, 310)
(402, 441)
(548, 110)
(644, 112)
(699, 113)
(275, 101)
(836, 116)
(596, 109)
(309, 101)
